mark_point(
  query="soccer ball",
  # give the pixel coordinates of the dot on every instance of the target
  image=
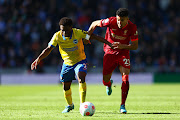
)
(87, 109)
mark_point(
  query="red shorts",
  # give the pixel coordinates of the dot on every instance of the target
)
(111, 61)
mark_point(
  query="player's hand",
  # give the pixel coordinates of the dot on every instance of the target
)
(86, 41)
(112, 47)
(118, 45)
(35, 63)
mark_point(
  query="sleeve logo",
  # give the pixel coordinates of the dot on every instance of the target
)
(105, 21)
(136, 33)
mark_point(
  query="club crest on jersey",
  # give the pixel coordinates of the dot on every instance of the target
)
(136, 33)
(75, 41)
(125, 32)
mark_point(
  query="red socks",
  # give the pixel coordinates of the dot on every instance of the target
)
(124, 88)
(107, 83)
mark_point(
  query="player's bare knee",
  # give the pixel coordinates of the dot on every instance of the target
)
(81, 80)
(106, 78)
(125, 73)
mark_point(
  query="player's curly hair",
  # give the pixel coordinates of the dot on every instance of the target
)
(65, 21)
(122, 12)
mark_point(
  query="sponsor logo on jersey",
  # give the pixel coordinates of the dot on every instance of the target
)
(75, 41)
(118, 37)
(114, 29)
(70, 49)
(125, 31)
(61, 42)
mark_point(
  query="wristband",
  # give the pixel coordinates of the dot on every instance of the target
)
(87, 37)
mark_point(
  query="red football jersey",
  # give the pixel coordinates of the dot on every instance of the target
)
(115, 34)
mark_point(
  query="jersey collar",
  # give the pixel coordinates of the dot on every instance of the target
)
(64, 38)
(125, 25)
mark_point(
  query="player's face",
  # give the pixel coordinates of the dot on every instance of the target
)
(66, 30)
(121, 21)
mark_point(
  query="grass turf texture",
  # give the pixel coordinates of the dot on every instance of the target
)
(145, 102)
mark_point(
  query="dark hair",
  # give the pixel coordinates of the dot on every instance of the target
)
(65, 21)
(122, 12)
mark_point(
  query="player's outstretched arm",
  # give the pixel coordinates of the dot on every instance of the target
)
(43, 55)
(132, 46)
(101, 39)
(93, 25)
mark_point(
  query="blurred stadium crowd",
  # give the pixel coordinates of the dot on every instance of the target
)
(26, 27)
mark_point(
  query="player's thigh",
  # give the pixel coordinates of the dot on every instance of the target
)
(81, 71)
(66, 85)
(67, 73)
(124, 64)
(109, 64)
(124, 71)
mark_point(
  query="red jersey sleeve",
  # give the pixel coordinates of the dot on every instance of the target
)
(134, 34)
(105, 22)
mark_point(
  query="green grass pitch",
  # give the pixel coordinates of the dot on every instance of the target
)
(45, 102)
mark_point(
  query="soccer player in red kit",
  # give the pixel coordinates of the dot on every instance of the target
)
(120, 31)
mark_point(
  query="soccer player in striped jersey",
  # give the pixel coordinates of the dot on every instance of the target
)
(120, 31)
(72, 52)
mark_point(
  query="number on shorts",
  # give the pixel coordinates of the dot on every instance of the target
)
(126, 62)
(85, 66)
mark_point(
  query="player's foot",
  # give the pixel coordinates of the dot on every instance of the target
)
(109, 89)
(68, 108)
(123, 109)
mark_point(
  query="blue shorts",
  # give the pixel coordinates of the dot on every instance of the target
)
(68, 72)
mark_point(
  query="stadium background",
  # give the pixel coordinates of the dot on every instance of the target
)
(26, 27)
